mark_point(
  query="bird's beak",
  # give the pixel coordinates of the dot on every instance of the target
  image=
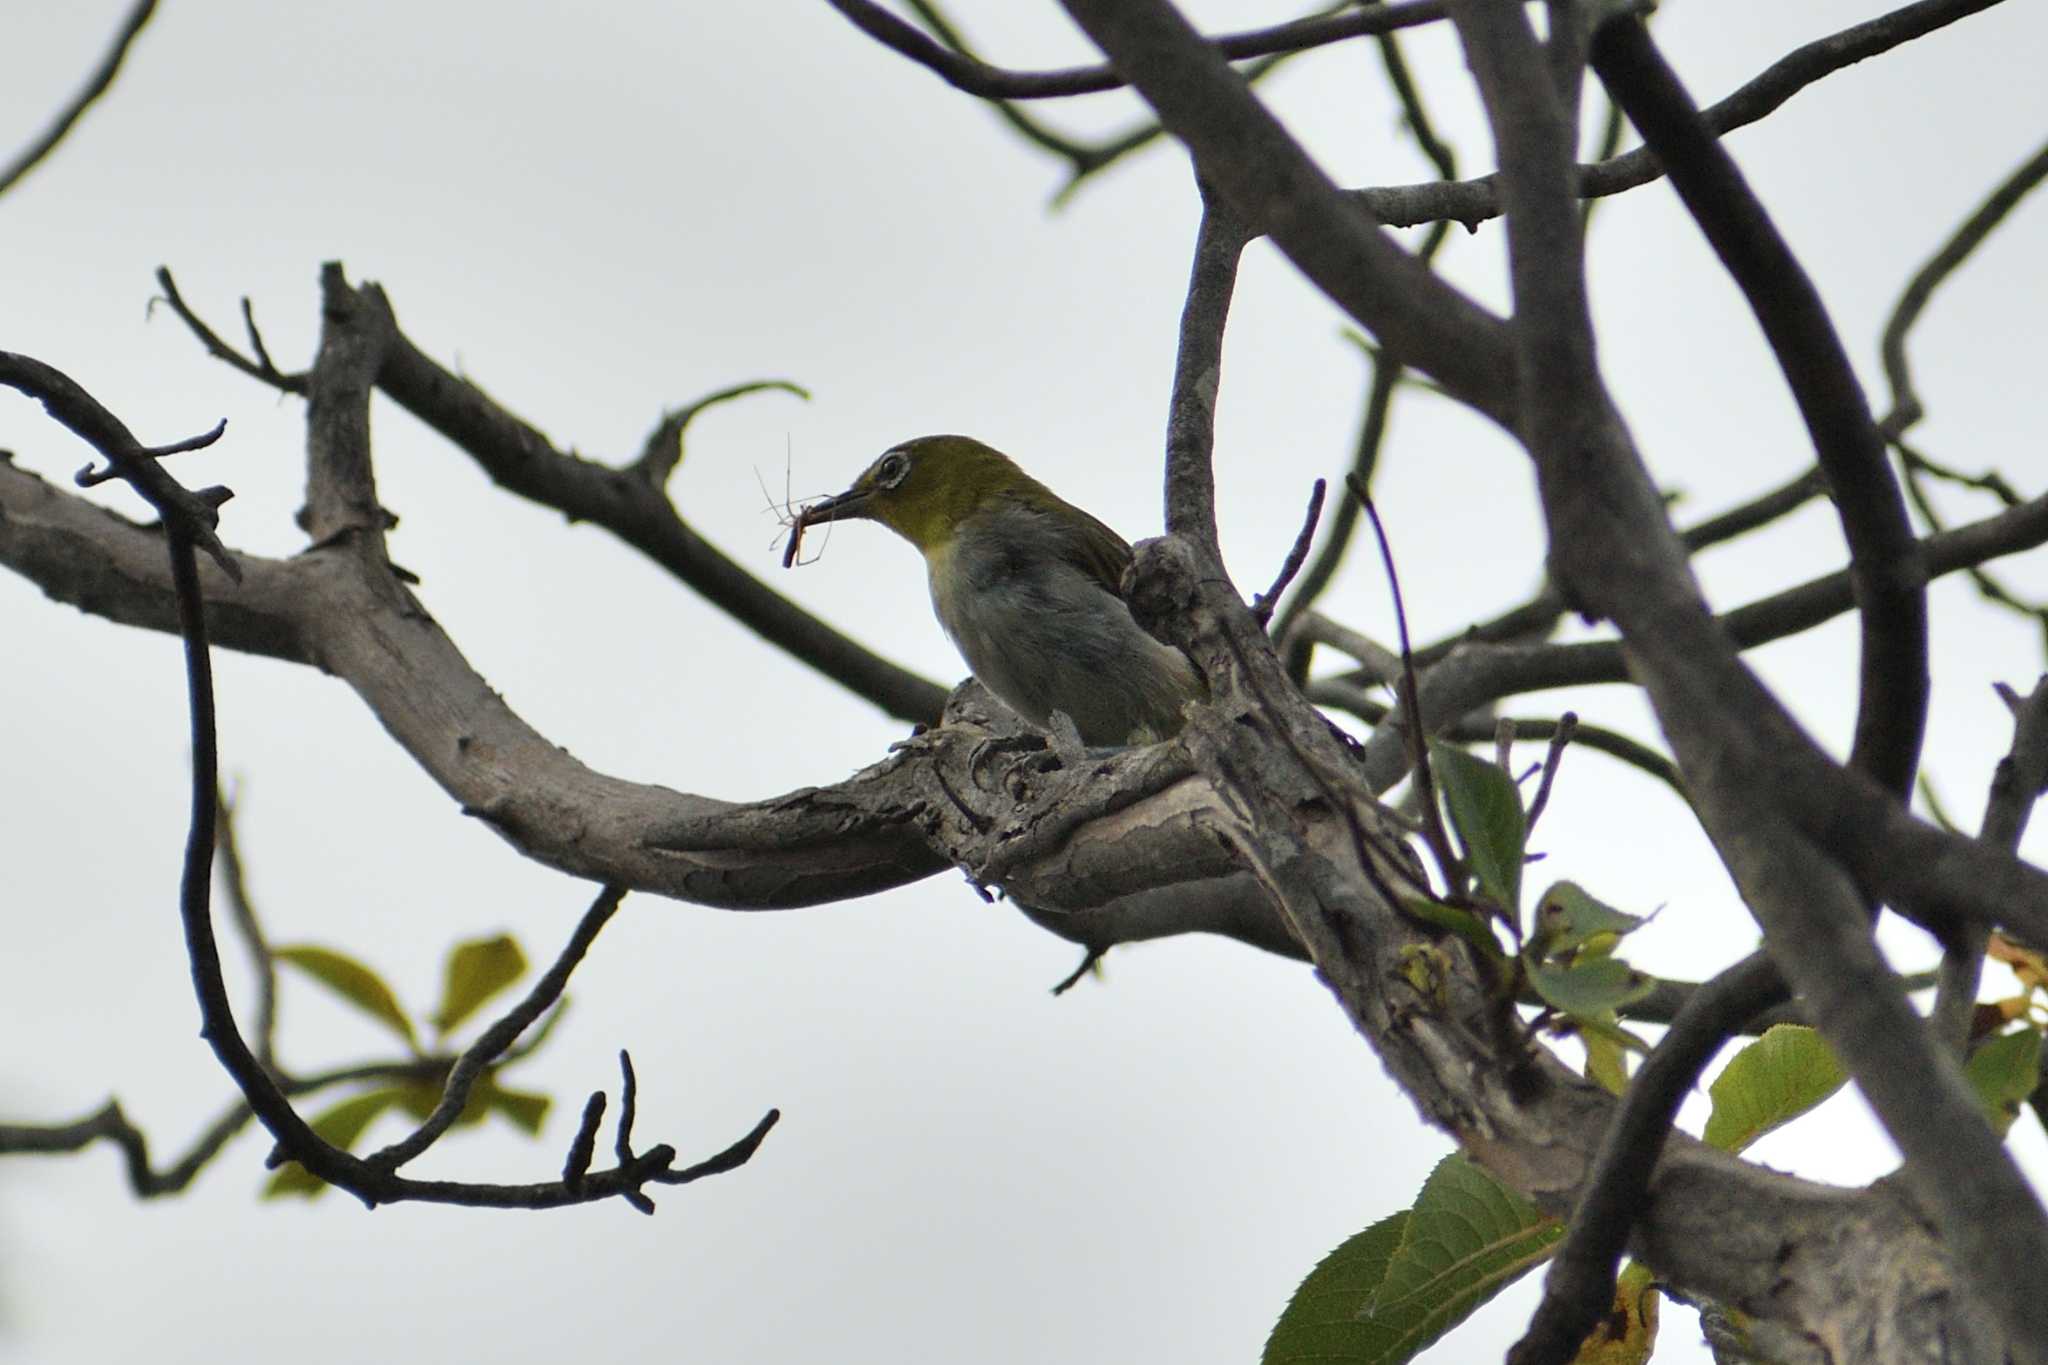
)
(840, 507)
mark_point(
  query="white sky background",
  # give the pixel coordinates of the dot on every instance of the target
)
(599, 212)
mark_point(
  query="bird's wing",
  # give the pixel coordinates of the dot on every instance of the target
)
(1099, 551)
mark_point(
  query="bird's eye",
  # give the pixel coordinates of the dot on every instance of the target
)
(889, 471)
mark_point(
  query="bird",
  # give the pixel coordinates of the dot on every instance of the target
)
(1026, 585)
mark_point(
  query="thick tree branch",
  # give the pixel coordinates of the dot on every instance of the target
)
(1885, 568)
(340, 491)
(1580, 1286)
(622, 499)
(1777, 808)
(519, 458)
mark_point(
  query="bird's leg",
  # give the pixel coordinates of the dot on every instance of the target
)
(1066, 739)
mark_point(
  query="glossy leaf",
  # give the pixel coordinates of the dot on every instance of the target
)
(1486, 810)
(1769, 1083)
(353, 982)
(2003, 1071)
(476, 971)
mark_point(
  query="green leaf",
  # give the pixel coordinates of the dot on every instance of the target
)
(2003, 1071)
(1769, 1083)
(353, 982)
(1567, 919)
(1486, 810)
(1468, 1237)
(1321, 1323)
(1606, 1060)
(477, 970)
(524, 1108)
(1589, 987)
(421, 1098)
(1396, 1287)
(341, 1126)
(1463, 923)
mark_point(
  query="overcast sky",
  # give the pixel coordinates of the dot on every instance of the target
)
(598, 212)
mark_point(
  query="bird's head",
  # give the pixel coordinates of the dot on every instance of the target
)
(924, 488)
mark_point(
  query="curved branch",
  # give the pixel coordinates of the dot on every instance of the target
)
(1473, 202)
(1467, 676)
(95, 85)
(1885, 567)
(1580, 1285)
(1141, 829)
(623, 500)
(1906, 408)
(975, 77)
(1791, 825)
(1245, 153)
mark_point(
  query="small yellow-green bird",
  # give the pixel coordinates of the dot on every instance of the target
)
(1027, 586)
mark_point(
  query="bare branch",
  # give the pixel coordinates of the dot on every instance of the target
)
(623, 502)
(1885, 567)
(95, 85)
(663, 450)
(1242, 151)
(1263, 604)
(2016, 784)
(1580, 1285)
(73, 407)
(495, 1040)
(963, 72)
(1792, 826)
(260, 368)
(1197, 376)
(1473, 202)
(1906, 408)
(234, 880)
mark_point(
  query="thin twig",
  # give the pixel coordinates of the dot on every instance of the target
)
(1263, 604)
(260, 368)
(234, 879)
(663, 449)
(1567, 730)
(495, 1040)
(1472, 202)
(95, 85)
(2016, 784)
(963, 72)
(1906, 408)
(1433, 831)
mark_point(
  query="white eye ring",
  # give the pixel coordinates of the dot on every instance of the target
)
(892, 468)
